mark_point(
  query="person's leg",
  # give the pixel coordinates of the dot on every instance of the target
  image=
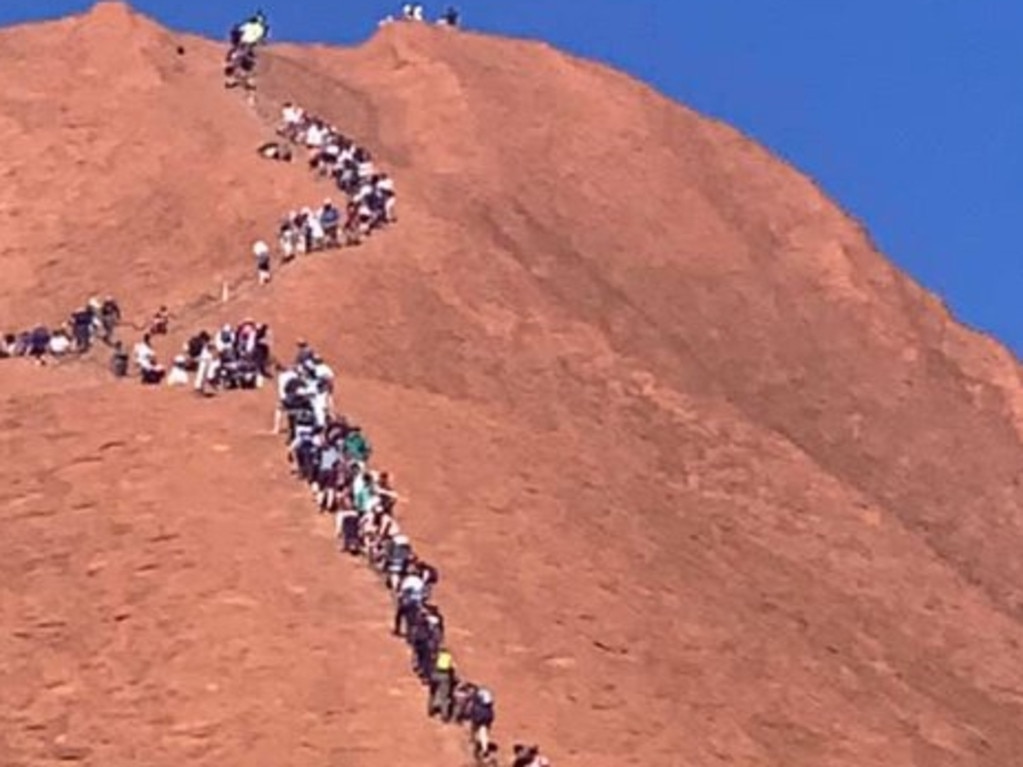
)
(399, 615)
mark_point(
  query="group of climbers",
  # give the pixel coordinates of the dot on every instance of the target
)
(371, 199)
(240, 62)
(350, 166)
(96, 320)
(332, 455)
(414, 12)
(327, 450)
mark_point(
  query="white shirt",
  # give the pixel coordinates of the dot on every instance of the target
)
(412, 586)
(260, 249)
(315, 136)
(60, 345)
(316, 227)
(144, 355)
(323, 372)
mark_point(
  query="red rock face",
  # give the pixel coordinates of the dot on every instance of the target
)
(709, 480)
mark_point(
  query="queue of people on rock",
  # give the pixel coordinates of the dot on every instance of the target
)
(371, 199)
(326, 449)
(96, 321)
(233, 357)
(332, 455)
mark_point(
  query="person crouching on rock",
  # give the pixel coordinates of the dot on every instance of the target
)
(150, 371)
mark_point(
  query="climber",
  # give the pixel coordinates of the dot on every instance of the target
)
(119, 361)
(430, 576)
(450, 17)
(348, 531)
(262, 253)
(330, 219)
(356, 446)
(410, 598)
(442, 686)
(481, 720)
(150, 371)
(160, 323)
(529, 756)
(60, 344)
(275, 150)
(81, 328)
(240, 68)
(110, 318)
(327, 476)
(207, 368)
(250, 32)
(178, 375)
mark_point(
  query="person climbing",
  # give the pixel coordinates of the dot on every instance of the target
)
(397, 555)
(251, 32)
(82, 327)
(274, 150)
(450, 17)
(206, 368)
(422, 650)
(330, 220)
(60, 343)
(528, 756)
(160, 322)
(481, 721)
(110, 318)
(356, 446)
(409, 601)
(443, 679)
(262, 253)
(119, 361)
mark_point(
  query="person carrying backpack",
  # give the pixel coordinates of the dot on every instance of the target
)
(442, 686)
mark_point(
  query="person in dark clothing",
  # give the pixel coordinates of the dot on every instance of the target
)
(422, 650)
(450, 17)
(119, 361)
(110, 318)
(330, 219)
(261, 354)
(81, 328)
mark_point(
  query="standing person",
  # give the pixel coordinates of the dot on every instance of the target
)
(262, 253)
(119, 361)
(410, 600)
(481, 720)
(207, 368)
(442, 686)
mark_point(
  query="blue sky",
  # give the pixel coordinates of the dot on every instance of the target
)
(908, 112)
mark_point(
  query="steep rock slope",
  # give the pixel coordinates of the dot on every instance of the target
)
(710, 482)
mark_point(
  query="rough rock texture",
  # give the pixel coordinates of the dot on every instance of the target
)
(709, 480)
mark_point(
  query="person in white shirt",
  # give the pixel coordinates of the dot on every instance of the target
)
(144, 354)
(410, 600)
(178, 375)
(145, 358)
(60, 344)
(262, 253)
(317, 236)
(320, 402)
(207, 368)
(284, 379)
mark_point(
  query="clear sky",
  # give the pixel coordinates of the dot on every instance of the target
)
(908, 112)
